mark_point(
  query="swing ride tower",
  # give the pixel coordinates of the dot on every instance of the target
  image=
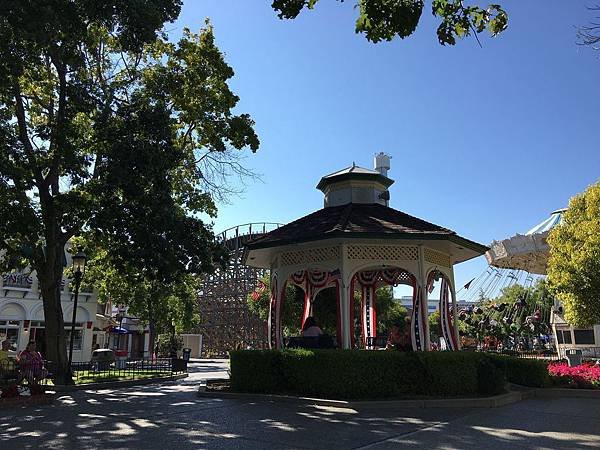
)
(225, 320)
(522, 259)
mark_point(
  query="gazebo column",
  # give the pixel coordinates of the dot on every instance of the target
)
(454, 310)
(278, 283)
(368, 315)
(345, 304)
(420, 315)
(418, 330)
(308, 304)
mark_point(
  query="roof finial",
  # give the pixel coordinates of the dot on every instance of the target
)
(353, 164)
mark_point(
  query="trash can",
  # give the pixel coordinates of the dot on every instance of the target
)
(574, 357)
(187, 352)
(121, 359)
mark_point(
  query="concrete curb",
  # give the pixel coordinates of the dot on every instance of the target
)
(117, 384)
(483, 402)
(567, 393)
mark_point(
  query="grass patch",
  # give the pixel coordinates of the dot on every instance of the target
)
(89, 376)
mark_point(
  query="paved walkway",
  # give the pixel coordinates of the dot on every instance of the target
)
(171, 416)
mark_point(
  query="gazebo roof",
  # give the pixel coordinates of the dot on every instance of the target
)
(354, 172)
(355, 220)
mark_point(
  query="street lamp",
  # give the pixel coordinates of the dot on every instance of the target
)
(78, 270)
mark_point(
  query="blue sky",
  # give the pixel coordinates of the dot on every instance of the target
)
(485, 141)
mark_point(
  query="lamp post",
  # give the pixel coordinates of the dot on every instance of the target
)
(78, 270)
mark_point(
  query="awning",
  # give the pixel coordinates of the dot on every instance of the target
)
(118, 330)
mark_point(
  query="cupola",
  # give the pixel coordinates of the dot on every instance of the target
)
(356, 184)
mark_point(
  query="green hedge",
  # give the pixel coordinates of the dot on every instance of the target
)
(348, 374)
(256, 371)
(526, 372)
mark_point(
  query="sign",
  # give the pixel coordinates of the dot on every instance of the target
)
(17, 280)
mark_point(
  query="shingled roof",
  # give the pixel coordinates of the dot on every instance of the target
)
(357, 220)
(354, 172)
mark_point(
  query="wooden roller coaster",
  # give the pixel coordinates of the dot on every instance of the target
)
(225, 320)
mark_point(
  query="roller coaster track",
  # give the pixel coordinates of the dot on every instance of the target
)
(225, 320)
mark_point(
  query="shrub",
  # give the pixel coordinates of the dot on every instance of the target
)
(256, 371)
(490, 378)
(526, 372)
(451, 373)
(350, 374)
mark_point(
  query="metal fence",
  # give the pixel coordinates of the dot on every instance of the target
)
(130, 369)
(11, 373)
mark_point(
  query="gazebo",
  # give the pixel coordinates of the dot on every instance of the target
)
(357, 242)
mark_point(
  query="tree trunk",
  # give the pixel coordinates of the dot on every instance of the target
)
(50, 277)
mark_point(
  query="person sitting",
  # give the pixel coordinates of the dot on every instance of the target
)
(310, 328)
(7, 363)
(4, 352)
(31, 364)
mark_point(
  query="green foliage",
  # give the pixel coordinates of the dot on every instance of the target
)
(451, 373)
(109, 130)
(383, 20)
(256, 371)
(574, 263)
(389, 311)
(166, 343)
(292, 306)
(526, 372)
(349, 374)
(434, 325)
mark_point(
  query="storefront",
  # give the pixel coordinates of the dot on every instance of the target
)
(22, 315)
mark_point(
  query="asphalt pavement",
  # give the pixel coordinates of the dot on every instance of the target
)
(171, 416)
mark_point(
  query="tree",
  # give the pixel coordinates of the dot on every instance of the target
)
(167, 306)
(96, 107)
(259, 304)
(574, 263)
(590, 34)
(435, 330)
(383, 20)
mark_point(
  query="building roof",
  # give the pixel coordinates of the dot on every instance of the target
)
(354, 172)
(359, 221)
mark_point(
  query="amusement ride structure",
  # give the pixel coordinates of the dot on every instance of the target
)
(519, 260)
(225, 320)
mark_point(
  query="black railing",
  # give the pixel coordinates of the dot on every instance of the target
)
(547, 355)
(126, 369)
(15, 376)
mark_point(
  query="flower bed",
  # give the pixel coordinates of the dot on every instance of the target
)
(585, 376)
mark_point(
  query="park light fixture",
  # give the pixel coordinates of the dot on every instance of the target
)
(79, 260)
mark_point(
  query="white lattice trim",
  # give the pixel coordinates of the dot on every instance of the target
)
(441, 259)
(310, 256)
(383, 252)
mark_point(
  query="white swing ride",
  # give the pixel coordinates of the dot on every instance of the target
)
(522, 260)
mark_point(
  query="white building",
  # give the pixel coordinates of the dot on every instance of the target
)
(568, 337)
(407, 302)
(22, 314)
